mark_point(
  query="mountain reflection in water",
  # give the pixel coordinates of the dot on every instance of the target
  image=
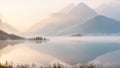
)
(73, 50)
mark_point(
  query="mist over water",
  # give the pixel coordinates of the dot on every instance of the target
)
(69, 32)
(69, 50)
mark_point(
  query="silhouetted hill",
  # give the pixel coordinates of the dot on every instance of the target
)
(6, 36)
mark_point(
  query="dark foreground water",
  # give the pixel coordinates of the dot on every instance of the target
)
(102, 50)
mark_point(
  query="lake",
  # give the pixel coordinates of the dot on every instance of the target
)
(102, 50)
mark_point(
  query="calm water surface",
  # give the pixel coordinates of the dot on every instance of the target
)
(103, 50)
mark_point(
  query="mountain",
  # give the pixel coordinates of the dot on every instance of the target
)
(6, 36)
(82, 12)
(6, 27)
(62, 20)
(99, 25)
(51, 20)
(110, 10)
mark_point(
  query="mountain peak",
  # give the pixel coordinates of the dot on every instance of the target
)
(99, 25)
(82, 4)
(83, 10)
(100, 16)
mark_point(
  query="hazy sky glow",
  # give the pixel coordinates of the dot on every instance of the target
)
(22, 14)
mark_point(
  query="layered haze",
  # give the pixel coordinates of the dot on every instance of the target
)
(25, 13)
(8, 28)
(59, 21)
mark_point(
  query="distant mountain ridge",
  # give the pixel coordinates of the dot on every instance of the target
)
(60, 21)
(98, 25)
(80, 20)
(110, 10)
